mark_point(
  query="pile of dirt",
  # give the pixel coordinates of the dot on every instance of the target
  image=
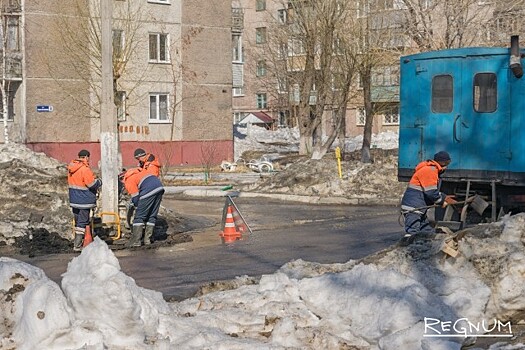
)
(42, 242)
(300, 175)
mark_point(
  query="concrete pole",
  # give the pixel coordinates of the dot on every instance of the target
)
(108, 118)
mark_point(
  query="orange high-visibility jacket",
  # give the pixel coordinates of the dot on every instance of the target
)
(151, 164)
(423, 188)
(82, 185)
(141, 184)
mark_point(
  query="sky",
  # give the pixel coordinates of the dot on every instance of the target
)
(402, 298)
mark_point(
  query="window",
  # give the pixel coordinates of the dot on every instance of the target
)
(260, 35)
(12, 41)
(262, 102)
(158, 47)
(11, 92)
(261, 68)
(337, 81)
(385, 76)
(360, 116)
(426, 4)
(282, 16)
(237, 48)
(238, 116)
(238, 91)
(363, 7)
(260, 5)
(282, 85)
(118, 44)
(391, 116)
(337, 46)
(485, 92)
(282, 51)
(442, 94)
(296, 47)
(158, 107)
(120, 103)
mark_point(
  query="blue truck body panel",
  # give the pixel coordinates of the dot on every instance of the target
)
(469, 103)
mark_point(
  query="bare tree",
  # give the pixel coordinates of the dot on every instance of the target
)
(310, 58)
(434, 25)
(78, 29)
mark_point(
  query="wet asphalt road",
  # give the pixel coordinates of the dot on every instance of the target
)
(282, 232)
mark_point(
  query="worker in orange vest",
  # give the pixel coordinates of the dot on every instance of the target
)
(83, 187)
(147, 161)
(146, 192)
(423, 192)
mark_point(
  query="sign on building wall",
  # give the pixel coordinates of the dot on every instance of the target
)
(44, 108)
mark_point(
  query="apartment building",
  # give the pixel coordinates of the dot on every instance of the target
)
(391, 31)
(172, 78)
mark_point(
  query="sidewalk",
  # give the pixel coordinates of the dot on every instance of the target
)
(215, 191)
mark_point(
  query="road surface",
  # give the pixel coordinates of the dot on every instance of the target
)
(282, 232)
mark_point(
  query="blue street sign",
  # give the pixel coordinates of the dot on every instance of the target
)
(44, 108)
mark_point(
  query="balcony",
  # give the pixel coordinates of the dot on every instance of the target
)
(12, 6)
(385, 93)
(237, 19)
(13, 67)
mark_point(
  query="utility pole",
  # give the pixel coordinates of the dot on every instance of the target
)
(108, 119)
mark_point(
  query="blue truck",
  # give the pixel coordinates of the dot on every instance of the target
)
(469, 102)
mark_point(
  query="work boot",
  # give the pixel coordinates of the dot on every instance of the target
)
(79, 238)
(406, 240)
(136, 236)
(148, 234)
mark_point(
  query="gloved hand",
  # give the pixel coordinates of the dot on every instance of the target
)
(449, 200)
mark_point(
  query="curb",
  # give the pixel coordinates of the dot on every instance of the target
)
(207, 191)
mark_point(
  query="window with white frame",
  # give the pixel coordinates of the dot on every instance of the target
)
(260, 35)
(360, 116)
(158, 107)
(282, 51)
(282, 16)
(261, 68)
(282, 85)
(262, 102)
(391, 117)
(238, 116)
(260, 5)
(159, 47)
(363, 7)
(296, 47)
(237, 48)
(120, 103)
(118, 44)
(238, 91)
(385, 76)
(426, 4)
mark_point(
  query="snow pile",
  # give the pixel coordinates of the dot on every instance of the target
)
(383, 301)
(34, 193)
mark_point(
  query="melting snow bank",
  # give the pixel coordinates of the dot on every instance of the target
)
(400, 298)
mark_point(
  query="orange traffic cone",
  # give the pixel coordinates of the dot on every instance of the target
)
(230, 233)
(87, 236)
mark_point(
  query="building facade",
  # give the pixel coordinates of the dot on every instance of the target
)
(172, 79)
(393, 27)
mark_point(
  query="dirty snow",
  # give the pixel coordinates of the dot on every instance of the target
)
(379, 302)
